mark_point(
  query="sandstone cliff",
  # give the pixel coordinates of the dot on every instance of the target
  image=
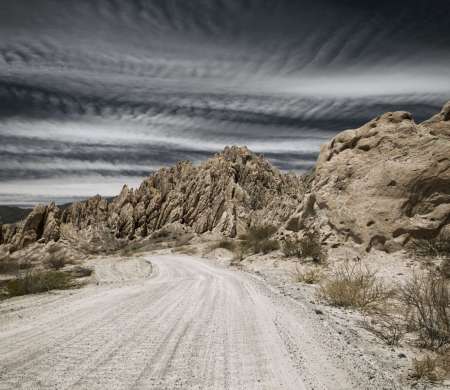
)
(226, 194)
(382, 184)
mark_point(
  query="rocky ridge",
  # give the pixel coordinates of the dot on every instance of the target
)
(378, 186)
(225, 194)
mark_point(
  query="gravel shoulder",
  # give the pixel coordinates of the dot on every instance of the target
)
(176, 321)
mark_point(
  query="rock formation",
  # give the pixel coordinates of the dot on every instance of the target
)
(374, 187)
(225, 194)
(42, 224)
(382, 184)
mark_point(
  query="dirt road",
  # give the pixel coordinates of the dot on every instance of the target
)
(179, 323)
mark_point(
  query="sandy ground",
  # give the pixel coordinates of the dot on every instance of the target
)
(176, 321)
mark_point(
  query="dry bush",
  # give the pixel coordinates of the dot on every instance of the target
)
(224, 244)
(81, 272)
(387, 327)
(311, 275)
(427, 299)
(258, 239)
(435, 247)
(187, 250)
(183, 239)
(291, 247)
(56, 261)
(433, 369)
(12, 266)
(36, 282)
(308, 246)
(352, 285)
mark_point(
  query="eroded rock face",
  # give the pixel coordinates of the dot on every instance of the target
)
(225, 194)
(42, 223)
(382, 184)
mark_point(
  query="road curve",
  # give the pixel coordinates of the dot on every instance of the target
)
(186, 325)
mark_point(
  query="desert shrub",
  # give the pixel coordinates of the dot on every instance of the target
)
(12, 266)
(432, 368)
(81, 272)
(352, 285)
(308, 246)
(427, 299)
(56, 261)
(388, 327)
(224, 244)
(435, 247)
(293, 225)
(309, 276)
(258, 239)
(36, 282)
(291, 247)
(183, 239)
(444, 267)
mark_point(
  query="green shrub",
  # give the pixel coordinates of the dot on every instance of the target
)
(36, 282)
(258, 239)
(352, 285)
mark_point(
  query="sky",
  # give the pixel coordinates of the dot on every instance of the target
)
(95, 94)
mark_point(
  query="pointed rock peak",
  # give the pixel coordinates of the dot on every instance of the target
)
(240, 154)
(445, 112)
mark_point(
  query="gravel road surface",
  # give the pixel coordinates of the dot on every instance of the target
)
(176, 322)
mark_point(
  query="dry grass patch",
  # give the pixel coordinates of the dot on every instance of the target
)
(258, 239)
(432, 368)
(353, 285)
(386, 326)
(37, 282)
(12, 266)
(311, 275)
(223, 244)
(308, 246)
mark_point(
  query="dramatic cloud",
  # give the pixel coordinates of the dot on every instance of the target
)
(112, 90)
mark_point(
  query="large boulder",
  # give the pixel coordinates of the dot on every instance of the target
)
(382, 184)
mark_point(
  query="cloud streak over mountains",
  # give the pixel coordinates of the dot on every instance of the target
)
(96, 90)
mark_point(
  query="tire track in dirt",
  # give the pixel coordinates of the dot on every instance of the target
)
(190, 325)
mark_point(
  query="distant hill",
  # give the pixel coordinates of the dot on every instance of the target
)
(12, 214)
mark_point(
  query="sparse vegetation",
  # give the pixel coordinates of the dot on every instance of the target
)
(13, 266)
(291, 247)
(387, 327)
(432, 368)
(427, 299)
(224, 244)
(81, 272)
(258, 240)
(436, 247)
(308, 246)
(353, 285)
(311, 275)
(183, 239)
(56, 261)
(36, 282)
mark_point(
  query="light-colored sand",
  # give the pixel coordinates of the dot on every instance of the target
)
(188, 324)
